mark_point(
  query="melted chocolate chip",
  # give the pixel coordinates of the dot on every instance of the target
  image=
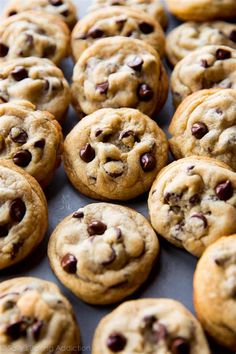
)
(222, 54)
(69, 263)
(116, 342)
(201, 217)
(204, 63)
(15, 248)
(15, 330)
(96, 228)
(87, 154)
(126, 134)
(232, 36)
(4, 230)
(40, 143)
(17, 209)
(22, 158)
(149, 320)
(49, 50)
(36, 329)
(110, 259)
(199, 129)
(3, 50)
(98, 132)
(180, 346)
(146, 27)
(102, 87)
(136, 63)
(195, 199)
(96, 33)
(148, 162)
(159, 332)
(144, 92)
(56, 2)
(19, 73)
(18, 135)
(224, 190)
(12, 13)
(219, 111)
(65, 13)
(78, 214)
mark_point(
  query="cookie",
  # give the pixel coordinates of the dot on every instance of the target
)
(214, 291)
(116, 21)
(34, 34)
(114, 154)
(31, 139)
(205, 125)
(153, 8)
(36, 80)
(64, 9)
(103, 252)
(36, 318)
(150, 326)
(187, 199)
(119, 72)
(203, 10)
(208, 67)
(23, 214)
(190, 36)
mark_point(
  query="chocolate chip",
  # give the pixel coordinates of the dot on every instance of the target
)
(29, 40)
(222, 54)
(180, 346)
(126, 134)
(116, 342)
(146, 27)
(4, 230)
(65, 13)
(22, 158)
(3, 50)
(18, 135)
(46, 85)
(19, 73)
(195, 199)
(199, 129)
(49, 50)
(96, 33)
(40, 144)
(144, 92)
(224, 190)
(96, 228)
(232, 36)
(8, 305)
(171, 197)
(201, 217)
(136, 63)
(36, 329)
(149, 321)
(219, 111)
(110, 259)
(159, 332)
(69, 263)
(204, 63)
(15, 330)
(78, 214)
(12, 13)
(102, 87)
(118, 233)
(148, 162)
(17, 209)
(56, 2)
(87, 154)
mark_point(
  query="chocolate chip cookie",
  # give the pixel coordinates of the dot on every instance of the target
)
(103, 252)
(35, 318)
(116, 21)
(214, 291)
(150, 326)
(65, 9)
(36, 80)
(205, 125)
(208, 67)
(31, 139)
(153, 8)
(192, 203)
(114, 154)
(190, 36)
(23, 214)
(34, 34)
(119, 72)
(203, 10)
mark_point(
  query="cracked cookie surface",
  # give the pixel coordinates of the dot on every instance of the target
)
(214, 291)
(190, 36)
(208, 67)
(114, 154)
(31, 139)
(23, 214)
(187, 199)
(103, 252)
(153, 8)
(64, 9)
(36, 80)
(35, 318)
(146, 326)
(205, 125)
(116, 21)
(34, 34)
(119, 72)
(203, 10)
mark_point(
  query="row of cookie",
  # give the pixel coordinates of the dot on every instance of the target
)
(48, 324)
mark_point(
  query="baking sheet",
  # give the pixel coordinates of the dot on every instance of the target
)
(173, 273)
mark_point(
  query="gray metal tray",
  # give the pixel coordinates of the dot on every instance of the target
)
(171, 277)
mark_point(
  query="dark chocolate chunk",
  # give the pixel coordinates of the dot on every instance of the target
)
(102, 87)
(19, 73)
(65, 13)
(69, 263)
(56, 2)
(201, 217)
(136, 63)
(87, 154)
(4, 49)
(148, 162)
(15, 330)
(22, 158)
(146, 27)
(40, 143)
(18, 135)
(78, 214)
(96, 33)
(224, 190)
(180, 346)
(199, 129)
(232, 36)
(116, 342)
(4, 230)
(12, 13)
(96, 227)
(17, 209)
(222, 54)
(144, 92)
